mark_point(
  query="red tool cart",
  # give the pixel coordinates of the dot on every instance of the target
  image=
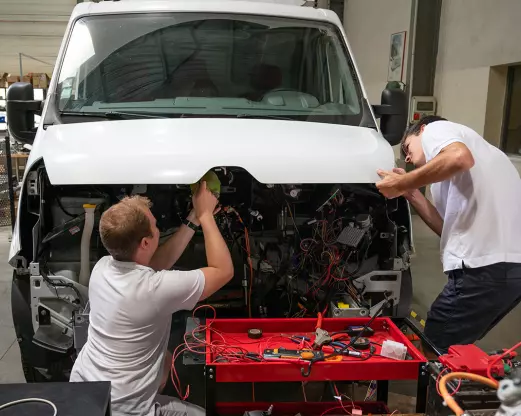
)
(281, 333)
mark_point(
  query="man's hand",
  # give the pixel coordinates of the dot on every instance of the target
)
(391, 184)
(205, 203)
(411, 192)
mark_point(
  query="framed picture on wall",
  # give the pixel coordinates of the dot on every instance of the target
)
(396, 56)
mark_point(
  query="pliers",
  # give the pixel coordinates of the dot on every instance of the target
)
(321, 337)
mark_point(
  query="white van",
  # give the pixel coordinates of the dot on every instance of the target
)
(146, 97)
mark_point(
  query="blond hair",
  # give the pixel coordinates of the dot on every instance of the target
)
(124, 225)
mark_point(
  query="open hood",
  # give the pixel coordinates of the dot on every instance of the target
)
(181, 151)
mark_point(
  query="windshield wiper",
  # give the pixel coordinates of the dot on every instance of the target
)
(111, 115)
(267, 116)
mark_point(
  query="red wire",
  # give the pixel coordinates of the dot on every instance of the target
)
(334, 408)
(250, 264)
(500, 357)
(438, 383)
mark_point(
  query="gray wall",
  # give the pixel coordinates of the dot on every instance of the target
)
(477, 39)
(369, 25)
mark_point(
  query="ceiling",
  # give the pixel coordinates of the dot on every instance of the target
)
(34, 28)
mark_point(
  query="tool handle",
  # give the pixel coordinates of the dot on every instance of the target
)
(319, 320)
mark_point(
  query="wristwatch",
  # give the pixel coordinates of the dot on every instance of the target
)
(191, 225)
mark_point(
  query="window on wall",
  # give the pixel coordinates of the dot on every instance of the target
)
(511, 140)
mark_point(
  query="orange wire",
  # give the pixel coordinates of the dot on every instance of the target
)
(449, 400)
(438, 383)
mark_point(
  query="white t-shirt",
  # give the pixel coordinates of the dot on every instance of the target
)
(130, 317)
(481, 207)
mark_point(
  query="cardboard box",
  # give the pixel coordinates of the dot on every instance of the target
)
(3, 80)
(28, 78)
(11, 79)
(41, 81)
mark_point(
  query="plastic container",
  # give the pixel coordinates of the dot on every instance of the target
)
(394, 350)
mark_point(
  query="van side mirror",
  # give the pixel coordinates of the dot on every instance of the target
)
(20, 108)
(393, 114)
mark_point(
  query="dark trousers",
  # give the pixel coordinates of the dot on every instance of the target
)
(472, 302)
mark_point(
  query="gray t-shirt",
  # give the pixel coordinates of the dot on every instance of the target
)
(130, 316)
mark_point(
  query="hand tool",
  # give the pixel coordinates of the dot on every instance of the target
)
(284, 353)
(360, 330)
(321, 337)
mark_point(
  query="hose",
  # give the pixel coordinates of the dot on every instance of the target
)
(449, 400)
(85, 244)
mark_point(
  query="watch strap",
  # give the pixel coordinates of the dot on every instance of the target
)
(191, 225)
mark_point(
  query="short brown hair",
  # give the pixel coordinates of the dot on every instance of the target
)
(415, 128)
(124, 225)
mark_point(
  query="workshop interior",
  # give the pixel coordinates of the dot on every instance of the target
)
(286, 109)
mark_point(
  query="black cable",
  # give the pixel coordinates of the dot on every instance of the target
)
(60, 283)
(63, 208)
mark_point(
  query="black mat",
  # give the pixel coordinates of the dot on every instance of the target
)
(71, 399)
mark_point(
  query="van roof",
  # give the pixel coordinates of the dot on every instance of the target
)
(290, 9)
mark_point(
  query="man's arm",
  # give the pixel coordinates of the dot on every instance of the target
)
(452, 159)
(220, 265)
(169, 252)
(427, 212)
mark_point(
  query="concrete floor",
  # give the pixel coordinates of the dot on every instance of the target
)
(10, 367)
(428, 280)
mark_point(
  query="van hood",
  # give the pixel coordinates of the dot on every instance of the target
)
(181, 151)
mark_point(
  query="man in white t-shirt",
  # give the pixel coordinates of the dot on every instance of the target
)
(477, 203)
(132, 296)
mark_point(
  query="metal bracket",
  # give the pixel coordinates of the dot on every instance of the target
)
(381, 281)
(210, 373)
(23, 269)
(80, 327)
(57, 300)
(423, 385)
(34, 268)
(32, 183)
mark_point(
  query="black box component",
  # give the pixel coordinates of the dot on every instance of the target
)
(351, 236)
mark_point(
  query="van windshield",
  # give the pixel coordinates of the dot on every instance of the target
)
(209, 65)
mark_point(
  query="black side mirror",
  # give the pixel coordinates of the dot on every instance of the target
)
(393, 114)
(20, 108)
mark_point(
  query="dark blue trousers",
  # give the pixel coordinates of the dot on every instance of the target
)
(472, 302)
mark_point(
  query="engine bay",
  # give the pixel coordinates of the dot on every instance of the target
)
(298, 249)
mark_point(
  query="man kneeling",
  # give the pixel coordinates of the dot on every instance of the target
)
(132, 298)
